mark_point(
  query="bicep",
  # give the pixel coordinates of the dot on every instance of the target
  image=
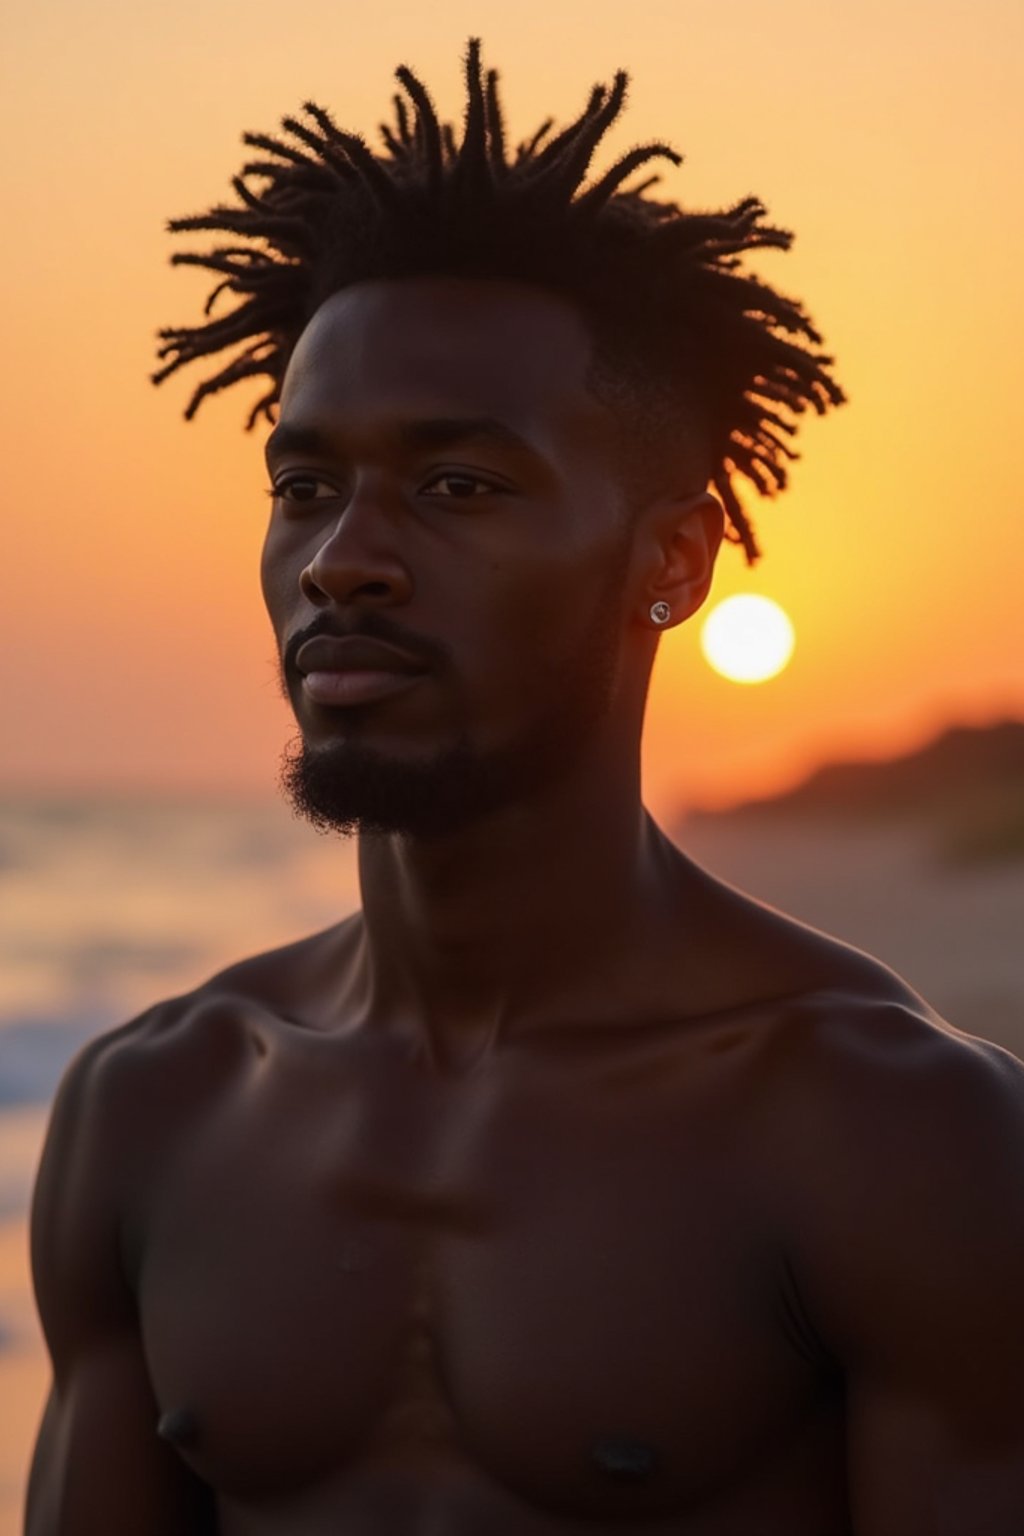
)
(936, 1377)
(98, 1463)
(935, 1391)
(912, 1256)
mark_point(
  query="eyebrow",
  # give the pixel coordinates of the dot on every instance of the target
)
(426, 432)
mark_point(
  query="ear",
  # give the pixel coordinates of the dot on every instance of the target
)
(682, 542)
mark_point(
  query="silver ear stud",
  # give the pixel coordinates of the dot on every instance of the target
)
(661, 613)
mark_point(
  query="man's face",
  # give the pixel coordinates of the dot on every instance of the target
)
(494, 559)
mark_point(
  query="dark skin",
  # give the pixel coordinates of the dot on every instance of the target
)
(562, 1183)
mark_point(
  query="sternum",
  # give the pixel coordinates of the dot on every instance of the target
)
(419, 1418)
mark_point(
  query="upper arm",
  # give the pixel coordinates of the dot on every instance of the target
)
(913, 1261)
(98, 1463)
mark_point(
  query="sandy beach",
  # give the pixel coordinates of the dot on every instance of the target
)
(956, 934)
(24, 1370)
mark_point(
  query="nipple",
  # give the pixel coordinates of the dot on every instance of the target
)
(627, 1461)
(179, 1426)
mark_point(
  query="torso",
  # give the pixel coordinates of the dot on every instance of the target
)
(548, 1290)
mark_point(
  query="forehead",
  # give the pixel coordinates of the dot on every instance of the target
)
(420, 346)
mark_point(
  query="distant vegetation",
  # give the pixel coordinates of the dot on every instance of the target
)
(967, 784)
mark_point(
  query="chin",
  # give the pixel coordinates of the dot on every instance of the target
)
(352, 787)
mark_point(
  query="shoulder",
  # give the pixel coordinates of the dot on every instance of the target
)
(105, 1078)
(897, 1146)
(852, 1054)
(101, 1115)
(868, 1068)
(95, 1136)
(125, 1098)
(104, 1070)
(899, 1171)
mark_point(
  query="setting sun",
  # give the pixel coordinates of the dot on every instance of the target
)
(747, 639)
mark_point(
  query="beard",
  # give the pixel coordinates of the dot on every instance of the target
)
(349, 787)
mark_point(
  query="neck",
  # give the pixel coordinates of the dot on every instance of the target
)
(498, 925)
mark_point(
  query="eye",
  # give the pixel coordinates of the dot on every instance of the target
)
(301, 488)
(459, 478)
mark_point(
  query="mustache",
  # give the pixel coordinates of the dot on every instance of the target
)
(368, 625)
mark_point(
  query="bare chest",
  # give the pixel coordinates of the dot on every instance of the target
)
(565, 1283)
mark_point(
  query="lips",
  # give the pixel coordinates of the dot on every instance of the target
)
(354, 653)
(342, 671)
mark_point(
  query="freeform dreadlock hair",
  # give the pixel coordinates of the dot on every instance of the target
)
(687, 345)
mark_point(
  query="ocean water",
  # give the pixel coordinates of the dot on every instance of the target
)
(108, 904)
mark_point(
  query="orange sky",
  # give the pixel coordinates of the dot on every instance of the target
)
(135, 649)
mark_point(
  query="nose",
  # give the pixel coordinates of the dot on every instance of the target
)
(358, 561)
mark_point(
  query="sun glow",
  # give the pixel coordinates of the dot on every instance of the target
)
(747, 639)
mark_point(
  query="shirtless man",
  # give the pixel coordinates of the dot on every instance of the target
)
(563, 1185)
